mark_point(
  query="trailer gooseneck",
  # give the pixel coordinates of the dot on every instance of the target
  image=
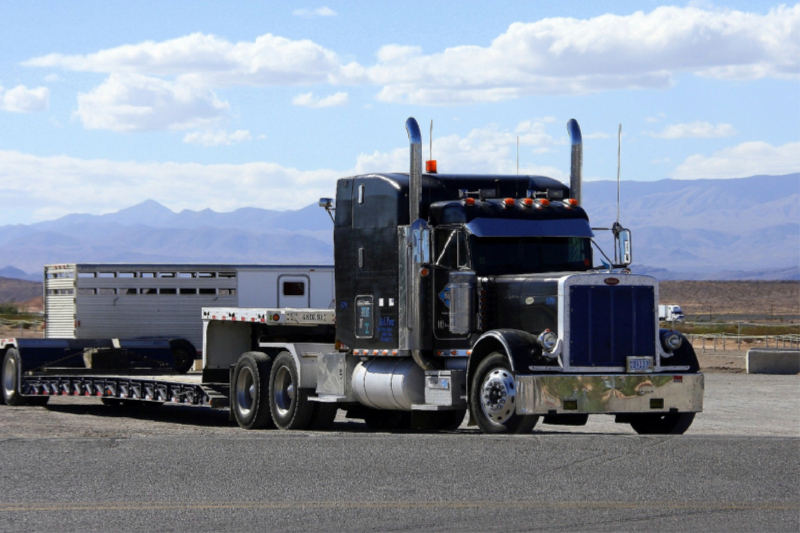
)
(453, 293)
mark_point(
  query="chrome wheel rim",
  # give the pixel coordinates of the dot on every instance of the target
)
(284, 391)
(245, 391)
(498, 395)
(10, 376)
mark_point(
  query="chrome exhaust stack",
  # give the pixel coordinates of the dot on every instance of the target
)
(576, 165)
(415, 169)
(415, 245)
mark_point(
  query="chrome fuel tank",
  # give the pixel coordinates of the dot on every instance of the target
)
(389, 383)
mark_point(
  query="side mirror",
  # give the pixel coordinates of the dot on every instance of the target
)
(328, 205)
(624, 252)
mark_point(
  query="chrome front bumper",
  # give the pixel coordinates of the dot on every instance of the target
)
(609, 393)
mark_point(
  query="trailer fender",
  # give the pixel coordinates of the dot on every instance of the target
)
(519, 346)
(305, 357)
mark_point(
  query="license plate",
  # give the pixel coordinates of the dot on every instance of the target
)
(640, 364)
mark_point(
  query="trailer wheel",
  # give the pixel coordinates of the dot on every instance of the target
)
(11, 365)
(183, 355)
(288, 403)
(249, 390)
(492, 398)
(662, 424)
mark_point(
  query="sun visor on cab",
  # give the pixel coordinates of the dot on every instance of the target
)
(498, 227)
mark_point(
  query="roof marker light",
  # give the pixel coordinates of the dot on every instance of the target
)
(544, 202)
(573, 202)
(527, 202)
(508, 202)
(469, 201)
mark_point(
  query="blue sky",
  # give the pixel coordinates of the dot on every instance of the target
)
(227, 105)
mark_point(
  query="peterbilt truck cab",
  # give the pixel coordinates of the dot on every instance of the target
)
(490, 280)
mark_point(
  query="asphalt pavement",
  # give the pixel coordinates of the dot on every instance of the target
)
(80, 466)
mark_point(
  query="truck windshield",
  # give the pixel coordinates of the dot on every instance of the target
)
(514, 255)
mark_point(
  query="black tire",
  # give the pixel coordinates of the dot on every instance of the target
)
(288, 403)
(183, 355)
(662, 424)
(10, 371)
(386, 420)
(323, 417)
(250, 391)
(492, 398)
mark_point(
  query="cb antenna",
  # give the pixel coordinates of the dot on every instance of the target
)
(518, 155)
(619, 157)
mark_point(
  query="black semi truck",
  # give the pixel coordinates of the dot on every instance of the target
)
(454, 293)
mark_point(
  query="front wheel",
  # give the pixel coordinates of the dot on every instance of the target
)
(493, 398)
(662, 424)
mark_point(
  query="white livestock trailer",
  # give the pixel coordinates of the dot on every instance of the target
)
(130, 300)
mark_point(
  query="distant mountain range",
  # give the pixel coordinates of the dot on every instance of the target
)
(746, 228)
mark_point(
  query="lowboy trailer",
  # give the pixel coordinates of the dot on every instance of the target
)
(453, 293)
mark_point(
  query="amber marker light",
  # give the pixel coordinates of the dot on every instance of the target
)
(469, 201)
(430, 166)
(508, 202)
(544, 202)
(573, 202)
(527, 202)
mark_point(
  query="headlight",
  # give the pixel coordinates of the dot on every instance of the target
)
(548, 340)
(672, 340)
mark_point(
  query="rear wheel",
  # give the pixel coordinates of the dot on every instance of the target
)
(493, 398)
(250, 391)
(11, 365)
(288, 403)
(662, 424)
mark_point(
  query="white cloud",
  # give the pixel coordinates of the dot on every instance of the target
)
(549, 56)
(20, 99)
(210, 60)
(308, 100)
(52, 78)
(131, 102)
(216, 138)
(318, 12)
(66, 185)
(566, 55)
(695, 129)
(746, 159)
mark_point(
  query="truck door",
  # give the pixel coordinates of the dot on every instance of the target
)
(293, 291)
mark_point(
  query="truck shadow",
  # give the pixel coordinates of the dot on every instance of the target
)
(171, 414)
